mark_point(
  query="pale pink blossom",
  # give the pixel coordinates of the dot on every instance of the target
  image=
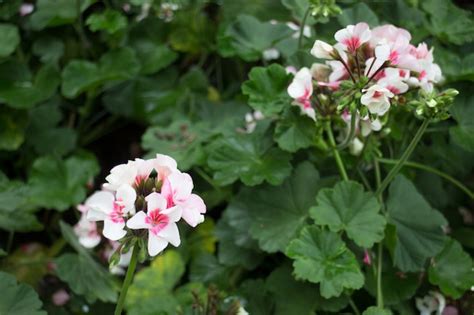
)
(86, 232)
(322, 50)
(164, 165)
(177, 190)
(301, 90)
(367, 258)
(353, 36)
(131, 174)
(160, 222)
(26, 9)
(393, 81)
(377, 99)
(60, 297)
(113, 209)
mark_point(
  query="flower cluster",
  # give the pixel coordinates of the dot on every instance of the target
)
(379, 65)
(142, 197)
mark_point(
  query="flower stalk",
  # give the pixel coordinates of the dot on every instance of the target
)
(337, 157)
(128, 280)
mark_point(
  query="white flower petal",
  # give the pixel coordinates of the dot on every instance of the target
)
(138, 221)
(114, 231)
(155, 244)
(126, 196)
(155, 201)
(171, 234)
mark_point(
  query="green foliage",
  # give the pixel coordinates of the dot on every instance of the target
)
(322, 257)
(346, 207)
(59, 184)
(251, 158)
(18, 299)
(266, 89)
(452, 270)
(110, 21)
(10, 39)
(418, 234)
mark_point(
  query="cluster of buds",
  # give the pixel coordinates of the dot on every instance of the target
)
(434, 105)
(367, 72)
(143, 199)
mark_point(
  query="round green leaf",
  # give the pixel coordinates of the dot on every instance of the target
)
(376, 311)
(9, 39)
(110, 21)
(347, 207)
(18, 299)
(452, 270)
(322, 257)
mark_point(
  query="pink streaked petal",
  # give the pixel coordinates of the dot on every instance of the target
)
(101, 201)
(193, 209)
(181, 185)
(155, 201)
(174, 213)
(138, 221)
(156, 244)
(171, 234)
(126, 197)
(114, 231)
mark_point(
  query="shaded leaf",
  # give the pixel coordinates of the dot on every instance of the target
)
(17, 298)
(110, 21)
(295, 131)
(9, 40)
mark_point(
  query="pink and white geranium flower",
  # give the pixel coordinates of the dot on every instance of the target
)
(86, 232)
(177, 190)
(301, 90)
(160, 221)
(353, 36)
(393, 80)
(377, 99)
(112, 209)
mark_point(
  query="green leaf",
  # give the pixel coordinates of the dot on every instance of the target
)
(376, 311)
(396, 287)
(50, 49)
(12, 128)
(151, 290)
(441, 23)
(452, 270)
(80, 75)
(257, 298)
(153, 57)
(291, 296)
(19, 91)
(110, 21)
(198, 241)
(17, 298)
(250, 157)
(59, 184)
(322, 257)
(9, 40)
(50, 13)
(248, 38)
(236, 247)
(43, 127)
(278, 212)
(182, 140)
(16, 210)
(463, 113)
(419, 233)
(84, 275)
(359, 12)
(295, 131)
(266, 89)
(347, 207)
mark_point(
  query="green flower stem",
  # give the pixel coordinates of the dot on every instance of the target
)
(380, 245)
(303, 23)
(427, 168)
(379, 275)
(337, 157)
(354, 306)
(409, 150)
(128, 280)
(351, 134)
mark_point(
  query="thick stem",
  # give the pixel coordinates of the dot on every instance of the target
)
(337, 157)
(430, 169)
(128, 280)
(354, 306)
(409, 150)
(303, 24)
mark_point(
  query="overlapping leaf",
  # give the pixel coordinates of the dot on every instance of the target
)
(18, 299)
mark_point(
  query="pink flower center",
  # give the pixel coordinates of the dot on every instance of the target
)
(352, 43)
(393, 57)
(139, 179)
(304, 100)
(157, 220)
(117, 213)
(422, 75)
(393, 89)
(377, 94)
(402, 73)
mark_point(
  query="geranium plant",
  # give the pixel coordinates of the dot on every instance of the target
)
(236, 157)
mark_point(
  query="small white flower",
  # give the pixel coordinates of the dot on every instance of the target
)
(322, 50)
(301, 89)
(271, 54)
(377, 99)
